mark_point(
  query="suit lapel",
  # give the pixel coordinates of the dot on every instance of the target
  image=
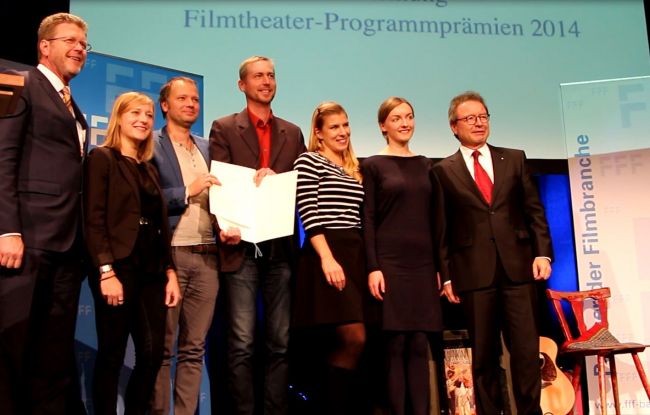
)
(278, 138)
(79, 115)
(459, 169)
(170, 154)
(53, 94)
(204, 148)
(126, 173)
(248, 134)
(57, 101)
(499, 166)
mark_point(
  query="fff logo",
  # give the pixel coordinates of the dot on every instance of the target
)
(85, 309)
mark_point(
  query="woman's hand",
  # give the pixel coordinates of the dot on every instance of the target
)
(111, 289)
(377, 285)
(333, 273)
(172, 290)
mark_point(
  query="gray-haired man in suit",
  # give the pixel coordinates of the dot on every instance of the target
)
(495, 245)
(41, 152)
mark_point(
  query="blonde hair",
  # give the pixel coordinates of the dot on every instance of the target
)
(243, 67)
(114, 133)
(48, 26)
(166, 90)
(387, 106)
(325, 109)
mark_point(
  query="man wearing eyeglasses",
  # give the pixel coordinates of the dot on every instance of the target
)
(495, 244)
(41, 152)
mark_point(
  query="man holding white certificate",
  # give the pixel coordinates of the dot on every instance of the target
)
(257, 139)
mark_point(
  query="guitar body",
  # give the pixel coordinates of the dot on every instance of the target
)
(558, 396)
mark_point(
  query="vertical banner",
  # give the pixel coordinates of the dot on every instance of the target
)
(95, 89)
(607, 132)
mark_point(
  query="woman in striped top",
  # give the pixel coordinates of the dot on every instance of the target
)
(330, 286)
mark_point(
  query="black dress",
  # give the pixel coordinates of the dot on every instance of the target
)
(399, 241)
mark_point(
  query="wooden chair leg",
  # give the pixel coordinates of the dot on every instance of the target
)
(613, 376)
(601, 385)
(641, 372)
(575, 380)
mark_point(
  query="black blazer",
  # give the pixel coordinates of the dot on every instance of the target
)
(233, 139)
(41, 168)
(470, 228)
(112, 208)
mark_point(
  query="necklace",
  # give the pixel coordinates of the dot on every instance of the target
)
(333, 163)
(188, 146)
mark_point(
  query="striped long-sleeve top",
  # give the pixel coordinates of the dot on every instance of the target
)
(326, 196)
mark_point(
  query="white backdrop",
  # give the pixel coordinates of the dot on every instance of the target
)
(607, 127)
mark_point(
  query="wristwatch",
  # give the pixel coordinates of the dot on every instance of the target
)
(103, 269)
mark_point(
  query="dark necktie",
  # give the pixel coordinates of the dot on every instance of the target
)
(67, 99)
(482, 179)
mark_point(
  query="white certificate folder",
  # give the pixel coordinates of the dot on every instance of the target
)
(261, 213)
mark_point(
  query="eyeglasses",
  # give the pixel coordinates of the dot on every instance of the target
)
(72, 42)
(471, 119)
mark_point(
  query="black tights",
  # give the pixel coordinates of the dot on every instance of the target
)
(408, 369)
(350, 339)
(339, 389)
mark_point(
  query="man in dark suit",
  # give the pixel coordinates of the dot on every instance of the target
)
(41, 151)
(495, 244)
(183, 163)
(257, 139)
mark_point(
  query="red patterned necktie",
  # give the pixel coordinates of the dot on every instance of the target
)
(67, 99)
(482, 179)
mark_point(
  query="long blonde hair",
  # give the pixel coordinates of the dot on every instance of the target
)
(114, 133)
(324, 109)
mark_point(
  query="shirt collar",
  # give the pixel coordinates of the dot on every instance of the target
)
(467, 152)
(257, 122)
(56, 82)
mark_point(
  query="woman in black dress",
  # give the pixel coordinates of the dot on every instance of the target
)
(127, 239)
(330, 284)
(400, 255)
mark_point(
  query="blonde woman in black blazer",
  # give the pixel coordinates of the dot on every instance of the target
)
(127, 238)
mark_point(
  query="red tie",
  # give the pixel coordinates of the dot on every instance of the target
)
(482, 179)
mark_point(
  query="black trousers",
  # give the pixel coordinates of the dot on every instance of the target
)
(142, 316)
(511, 309)
(38, 312)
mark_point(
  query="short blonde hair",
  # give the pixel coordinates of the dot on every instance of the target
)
(324, 109)
(166, 90)
(114, 133)
(48, 26)
(243, 67)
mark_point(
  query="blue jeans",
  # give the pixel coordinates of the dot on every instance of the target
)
(271, 278)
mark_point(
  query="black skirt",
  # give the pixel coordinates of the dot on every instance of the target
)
(317, 302)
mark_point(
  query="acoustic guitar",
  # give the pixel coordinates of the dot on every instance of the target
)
(558, 396)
